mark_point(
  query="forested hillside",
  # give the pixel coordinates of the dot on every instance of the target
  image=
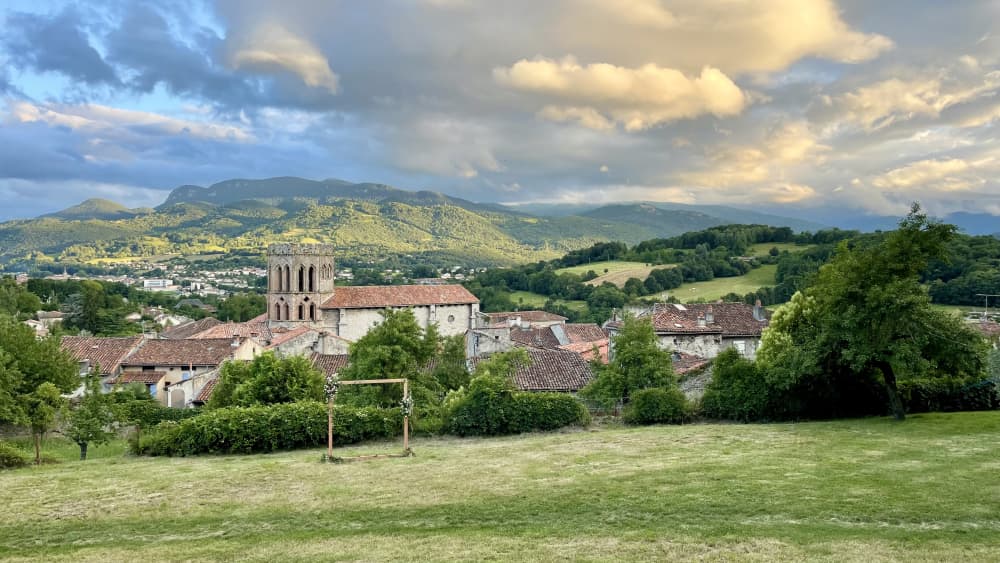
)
(364, 221)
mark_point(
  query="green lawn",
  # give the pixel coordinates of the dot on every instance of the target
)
(715, 289)
(856, 490)
(528, 300)
(761, 249)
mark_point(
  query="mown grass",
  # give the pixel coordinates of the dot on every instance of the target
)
(715, 289)
(614, 271)
(763, 248)
(528, 300)
(857, 490)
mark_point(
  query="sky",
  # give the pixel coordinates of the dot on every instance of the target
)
(810, 106)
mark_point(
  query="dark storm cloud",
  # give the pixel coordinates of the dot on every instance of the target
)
(56, 44)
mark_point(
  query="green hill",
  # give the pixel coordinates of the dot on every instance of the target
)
(364, 221)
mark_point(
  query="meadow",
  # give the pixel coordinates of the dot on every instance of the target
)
(716, 288)
(614, 271)
(853, 490)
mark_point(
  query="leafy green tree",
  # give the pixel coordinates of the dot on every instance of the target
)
(267, 380)
(450, 369)
(41, 407)
(867, 318)
(90, 421)
(242, 307)
(637, 363)
(396, 348)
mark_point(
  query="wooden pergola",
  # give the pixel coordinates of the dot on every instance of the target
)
(407, 452)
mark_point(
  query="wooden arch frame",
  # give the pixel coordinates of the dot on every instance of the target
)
(407, 452)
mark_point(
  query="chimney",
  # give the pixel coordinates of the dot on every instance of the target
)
(701, 319)
(710, 315)
(758, 311)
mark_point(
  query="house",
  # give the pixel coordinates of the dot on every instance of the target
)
(49, 318)
(582, 338)
(106, 353)
(160, 364)
(301, 292)
(41, 331)
(705, 329)
(525, 319)
(550, 370)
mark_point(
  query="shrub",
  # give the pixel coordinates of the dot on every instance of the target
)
(491, 407)
(11, 456)
(737, 390)
(269, 428)
(146, 412)
(657, 406)
(944, 394)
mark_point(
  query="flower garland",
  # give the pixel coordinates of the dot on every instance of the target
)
(406, 405)
(331, 386)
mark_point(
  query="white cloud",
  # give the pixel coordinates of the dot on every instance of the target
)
(948, 174)
(788, 193)
(272, 47)
(94, 118)
(637, 98)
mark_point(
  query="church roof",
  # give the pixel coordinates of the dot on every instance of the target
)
(382, 296)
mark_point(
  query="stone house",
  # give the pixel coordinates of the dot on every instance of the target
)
(160, 364)
(524, 319)
(108, 353)
(705, 329)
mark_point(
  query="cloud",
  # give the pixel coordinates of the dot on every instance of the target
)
(947, 174)
(98, 119)
(271, 47)
(637, 98)
(788, 193)
(56, 44)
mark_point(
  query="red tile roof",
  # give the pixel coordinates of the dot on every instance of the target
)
(206, 391)
(330, 364)
(108, 352)
(586, 349)
(582, 332)
(279, 338)
(684, 363)
(729, 319)
(527, 316)
(254, 328)
(382, 296)
(196, 352)
(552, 370)
(147, 377)
(187, 330)
(537, 337)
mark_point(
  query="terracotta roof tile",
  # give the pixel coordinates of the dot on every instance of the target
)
(684, 363)
(330, 364)
(282, 337)
(187, 330)
(537, 337)
(382, 296)
(147, 377)
(586, 349)
(255, 328)
(526, 316)
(729, 319)
(108, 352)
(206, 391)
(552, 370)
(583, 332)
(197, 352)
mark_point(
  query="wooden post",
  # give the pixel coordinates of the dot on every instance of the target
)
(329, 429)
(406, 419)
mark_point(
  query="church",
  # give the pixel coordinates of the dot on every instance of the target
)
(301, 293)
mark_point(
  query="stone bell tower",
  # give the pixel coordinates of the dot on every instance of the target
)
(299, 279)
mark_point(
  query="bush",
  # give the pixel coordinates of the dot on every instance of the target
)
(943, 394)
(269, 428)
(737, 390)
(491, 407)
(146, 413)
(657, 406)
(11, 456)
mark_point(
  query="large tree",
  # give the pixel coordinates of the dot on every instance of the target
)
(267, 380)
(90, 421)
(637, 363)
(867, 319)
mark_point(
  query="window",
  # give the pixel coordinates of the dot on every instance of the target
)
(451, 318)
(152, 390)
(740, 346)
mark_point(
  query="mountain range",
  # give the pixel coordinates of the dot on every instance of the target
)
(365, 221)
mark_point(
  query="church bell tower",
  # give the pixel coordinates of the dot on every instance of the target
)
(299, 279)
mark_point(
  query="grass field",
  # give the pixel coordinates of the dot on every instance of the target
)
(714, 289)
(763, 248)
(618, 272)
(857, 490)
(528, 300)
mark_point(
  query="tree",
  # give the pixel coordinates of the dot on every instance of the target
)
(38, 371)
(90, 422)
(396, 348)
(242, 307)
(450, 370)
(267, 380)
(636, 363)
(867, 318)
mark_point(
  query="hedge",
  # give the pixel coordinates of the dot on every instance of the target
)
(269, 428)
(514, 412)
(657, 406)
(11, 456)
(944, 394)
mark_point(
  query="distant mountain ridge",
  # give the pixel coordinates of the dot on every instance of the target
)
(363, 220)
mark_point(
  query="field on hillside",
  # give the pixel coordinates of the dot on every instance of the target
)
(763, 248)
(618, 272)
(527, 300)
(857, 490)
(715, 289)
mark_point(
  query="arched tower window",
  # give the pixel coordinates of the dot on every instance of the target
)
(276, 279)
(288, 278)
(312, 312)
(277, 311)
(312, 278)
(302, 278)
(288, 315)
